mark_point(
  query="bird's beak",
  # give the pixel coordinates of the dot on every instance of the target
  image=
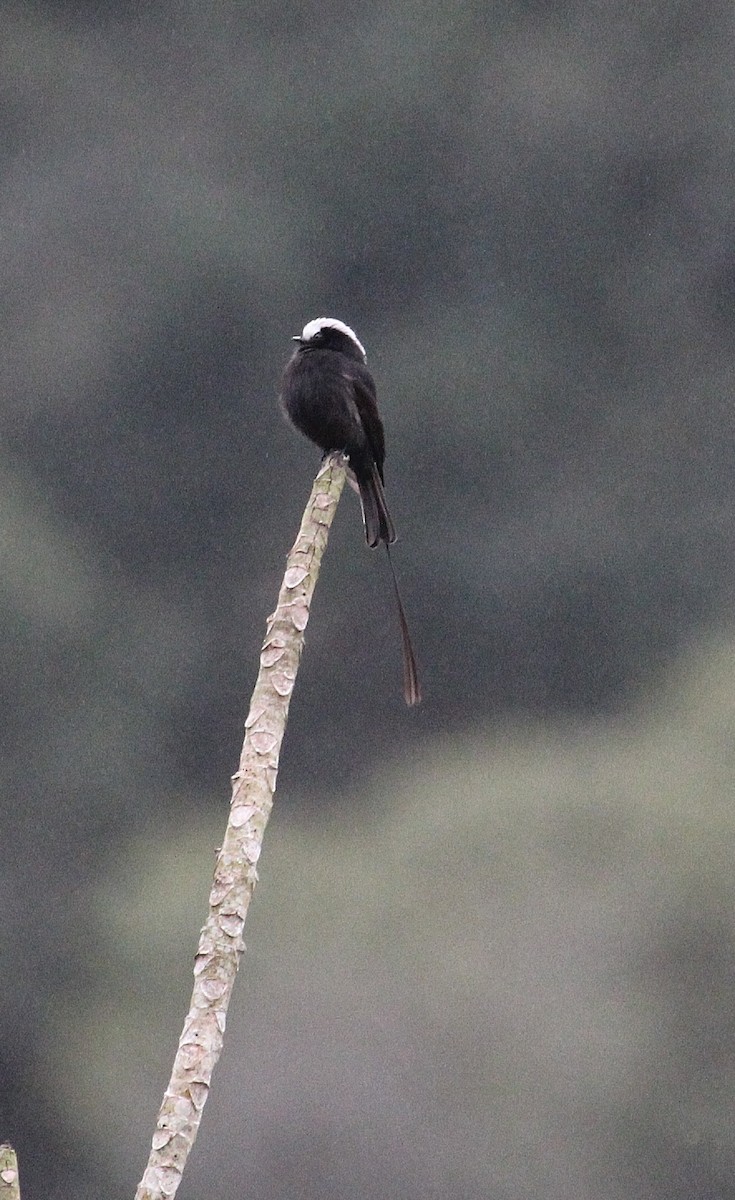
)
(296, 337)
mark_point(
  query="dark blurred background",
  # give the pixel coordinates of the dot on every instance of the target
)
(493, 950)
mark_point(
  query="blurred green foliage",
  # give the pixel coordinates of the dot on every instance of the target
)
(508, 972)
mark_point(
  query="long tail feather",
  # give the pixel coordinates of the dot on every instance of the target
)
(411, 685)
(379, 527)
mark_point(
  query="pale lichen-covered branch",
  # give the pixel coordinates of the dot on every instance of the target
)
(221, 943)
(9, 1179)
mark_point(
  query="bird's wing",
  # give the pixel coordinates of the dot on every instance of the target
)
(367, 406)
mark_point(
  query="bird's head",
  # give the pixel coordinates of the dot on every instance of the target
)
(327, 333)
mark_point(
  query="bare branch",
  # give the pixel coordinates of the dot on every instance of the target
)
(221, 943)
(9, 1178)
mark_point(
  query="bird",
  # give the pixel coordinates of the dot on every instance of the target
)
(328, 394)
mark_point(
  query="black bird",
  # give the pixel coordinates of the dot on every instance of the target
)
(329, 395)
